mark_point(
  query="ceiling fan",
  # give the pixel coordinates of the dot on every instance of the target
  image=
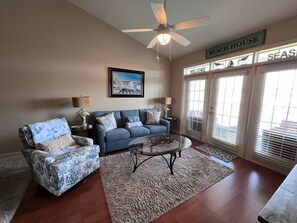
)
(165, 31)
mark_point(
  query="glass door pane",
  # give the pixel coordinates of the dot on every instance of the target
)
(226, 109)
(276, 117)
(195, 106)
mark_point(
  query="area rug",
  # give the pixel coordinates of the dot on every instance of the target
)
(14, 180)
(152, 191)
(218, 153)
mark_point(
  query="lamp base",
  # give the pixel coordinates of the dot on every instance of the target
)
(84, 125)
(166, 109)
(165, 116)
(83, 114)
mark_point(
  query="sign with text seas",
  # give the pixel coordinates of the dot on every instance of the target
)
(285, 54)
(254, 39)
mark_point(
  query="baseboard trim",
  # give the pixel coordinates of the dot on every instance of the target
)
(6, 155)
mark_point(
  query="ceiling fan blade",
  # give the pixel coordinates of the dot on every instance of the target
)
(152, 43)
(180, 39)
(136, 30)
(159, 12)
(202, 21)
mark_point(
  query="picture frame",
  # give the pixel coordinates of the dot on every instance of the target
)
(125, 83)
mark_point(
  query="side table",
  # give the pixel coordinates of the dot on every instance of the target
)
(173, 123)
(81, 131)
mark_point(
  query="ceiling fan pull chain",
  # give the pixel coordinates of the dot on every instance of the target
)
(169, 57)
(157, 59)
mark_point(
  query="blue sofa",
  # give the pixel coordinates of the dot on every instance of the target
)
(117, 139)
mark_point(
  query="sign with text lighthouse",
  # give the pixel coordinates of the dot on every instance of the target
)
(254, 39)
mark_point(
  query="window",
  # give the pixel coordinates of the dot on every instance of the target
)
(232, 62)
(276, 130)
(227, 109)
(196, 94)
(251, 111)
(197, 69)
(281, 52)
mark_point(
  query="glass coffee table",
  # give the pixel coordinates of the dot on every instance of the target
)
(158, 145)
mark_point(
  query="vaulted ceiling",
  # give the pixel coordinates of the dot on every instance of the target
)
(229, 18)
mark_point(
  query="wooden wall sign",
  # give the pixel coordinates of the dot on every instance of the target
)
(251, 40)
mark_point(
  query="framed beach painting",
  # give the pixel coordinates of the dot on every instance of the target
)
(125, 83)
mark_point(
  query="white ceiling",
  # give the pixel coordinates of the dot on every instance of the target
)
(229, 18)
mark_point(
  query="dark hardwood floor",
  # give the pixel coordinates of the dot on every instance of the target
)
(237, 198)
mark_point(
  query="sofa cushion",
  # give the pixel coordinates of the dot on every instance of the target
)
(139, 131)
(125, 114)
(117, 134)
(142, 114)
(116, 114)
(156, 129)
(108, 121)
(153, 117)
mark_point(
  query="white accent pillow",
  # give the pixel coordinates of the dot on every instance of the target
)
(153, 117)
(58, 143)
(108, 121)
(130, 125)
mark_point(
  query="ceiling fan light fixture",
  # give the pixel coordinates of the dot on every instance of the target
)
(164, 38)
(165, 31)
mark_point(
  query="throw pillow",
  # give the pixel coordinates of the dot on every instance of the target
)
(108, 121)
(58, 143)
(129, 125)
(153, 117)
(47, 130)
(132, 119)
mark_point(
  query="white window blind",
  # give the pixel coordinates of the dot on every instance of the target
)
(227, 109)
(276, 129)
(196, 93)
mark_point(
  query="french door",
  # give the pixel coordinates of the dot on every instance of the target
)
(227, 115)
(196, 107)
(273, 129)
(251, 112)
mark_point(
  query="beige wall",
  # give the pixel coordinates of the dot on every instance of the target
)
(52, 51)
(281, 32)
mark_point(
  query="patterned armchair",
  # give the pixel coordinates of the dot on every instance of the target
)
(57, 159)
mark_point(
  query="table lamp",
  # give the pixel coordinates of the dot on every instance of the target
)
(166, 102)
(82, 102)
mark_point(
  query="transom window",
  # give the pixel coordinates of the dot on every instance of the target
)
(281, 52)
(197, 69)
(276, 53)
(232, 62)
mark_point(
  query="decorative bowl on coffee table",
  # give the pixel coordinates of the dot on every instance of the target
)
(158, 145)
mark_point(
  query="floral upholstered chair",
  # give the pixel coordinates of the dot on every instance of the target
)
(57, 159)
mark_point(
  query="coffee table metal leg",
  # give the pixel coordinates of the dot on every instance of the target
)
(134, 161)
(172, 160)
(170, 163)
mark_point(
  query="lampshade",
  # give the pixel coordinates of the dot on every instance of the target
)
(164, 38)
(167, 100)
(81, 102)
